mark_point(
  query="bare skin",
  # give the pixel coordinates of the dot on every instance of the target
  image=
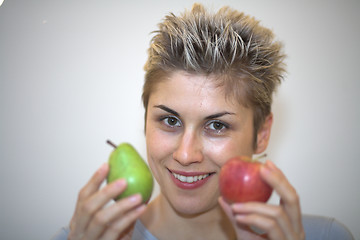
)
(191, 127)
(192, 130)
(93, 219)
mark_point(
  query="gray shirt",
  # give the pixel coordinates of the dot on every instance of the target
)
(316, 228)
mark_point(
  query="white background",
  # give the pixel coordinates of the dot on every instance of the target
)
(71, 77)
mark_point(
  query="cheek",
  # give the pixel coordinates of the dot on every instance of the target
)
(222, 151)
(158, 148)
(152, 151)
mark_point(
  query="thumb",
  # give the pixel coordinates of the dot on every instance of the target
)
(231, 216)
(241, 230)
(227, 209)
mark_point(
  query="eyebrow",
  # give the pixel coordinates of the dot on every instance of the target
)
(169, 110)
(216, 115)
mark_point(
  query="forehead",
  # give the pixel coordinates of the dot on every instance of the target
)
(183, 83)
(181, 88)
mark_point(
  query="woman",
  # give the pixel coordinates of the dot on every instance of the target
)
(207, 97)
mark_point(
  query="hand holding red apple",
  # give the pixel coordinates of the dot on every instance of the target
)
(277, 222)
(240, 181)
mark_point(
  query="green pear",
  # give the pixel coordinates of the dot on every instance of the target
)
(126, 163)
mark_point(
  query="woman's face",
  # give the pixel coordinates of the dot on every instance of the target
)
(191, 131)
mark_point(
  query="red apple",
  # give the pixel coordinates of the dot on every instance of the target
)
(240, 181)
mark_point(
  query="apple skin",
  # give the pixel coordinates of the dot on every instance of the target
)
(126, 163)
(240, 181)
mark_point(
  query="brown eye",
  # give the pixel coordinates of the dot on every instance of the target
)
(171, 121)
(217, 126)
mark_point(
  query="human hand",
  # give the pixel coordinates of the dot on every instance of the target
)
(94, 218)
(278, 222)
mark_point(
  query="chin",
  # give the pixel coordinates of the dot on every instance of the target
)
(192, 206)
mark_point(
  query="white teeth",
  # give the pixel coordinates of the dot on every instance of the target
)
(189, 179)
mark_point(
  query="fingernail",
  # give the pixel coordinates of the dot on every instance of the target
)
(237, 206)
(265, 169)
(135, 198)
(270, 165)
(102, 167)
(120, 183)
(140, 208)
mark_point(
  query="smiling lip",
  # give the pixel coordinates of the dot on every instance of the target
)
(189, 180)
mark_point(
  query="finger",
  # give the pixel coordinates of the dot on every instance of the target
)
(288, 195)
(226, 207)
(103, 218)
(117, 228)
(104, 195)
(261, 210)
(242, 230)
(94, 183)
(97, 201)
(267, 225)
(79, 222)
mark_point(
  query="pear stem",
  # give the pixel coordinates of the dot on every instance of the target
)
(111, 143)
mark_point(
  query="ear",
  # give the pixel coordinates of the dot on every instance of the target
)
(263, 135)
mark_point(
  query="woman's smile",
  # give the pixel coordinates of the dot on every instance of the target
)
(191, 131)
(189, 180)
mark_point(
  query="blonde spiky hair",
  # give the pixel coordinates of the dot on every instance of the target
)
(241, 54)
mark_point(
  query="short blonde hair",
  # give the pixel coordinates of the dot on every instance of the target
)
(241, 54)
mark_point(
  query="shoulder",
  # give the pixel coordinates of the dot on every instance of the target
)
(141, 232)
(320, 227)
(61, 234)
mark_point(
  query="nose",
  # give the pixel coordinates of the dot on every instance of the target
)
(189, 149)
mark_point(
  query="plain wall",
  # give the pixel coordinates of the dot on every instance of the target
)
(71, 75)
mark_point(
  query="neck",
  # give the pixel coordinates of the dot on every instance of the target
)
(163, 221)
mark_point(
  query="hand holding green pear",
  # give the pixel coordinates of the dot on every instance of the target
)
(126, 163)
